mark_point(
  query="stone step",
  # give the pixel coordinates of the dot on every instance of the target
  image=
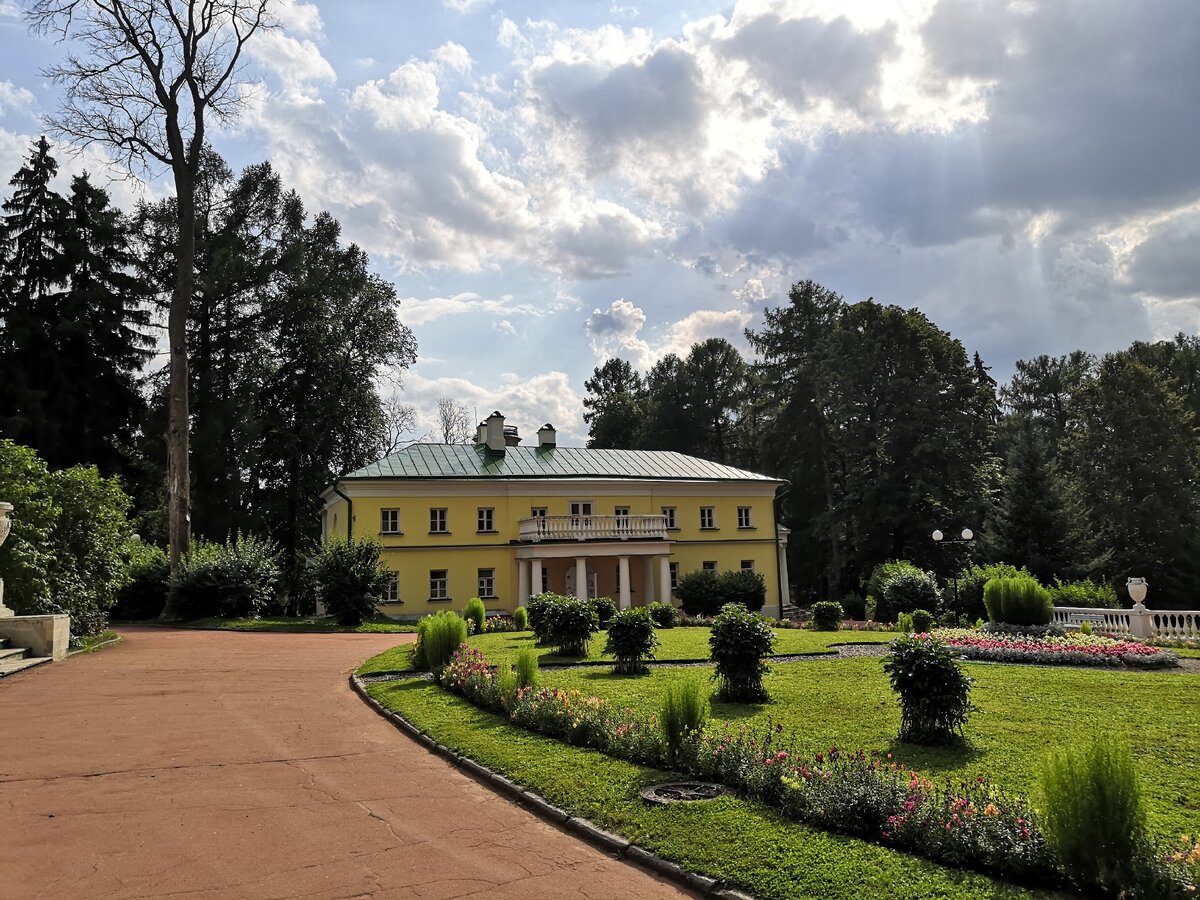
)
(8, 654)
(3, 642)
(12, 667)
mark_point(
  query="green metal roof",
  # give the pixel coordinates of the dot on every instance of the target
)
(476, 461)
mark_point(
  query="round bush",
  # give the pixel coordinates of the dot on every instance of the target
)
(743, 586)
(854, 606)
(542, 610)
(663, 615)
(827, 616)
(922, 621)
(934, 690)
(700, 593)
(605, 609)
(475, 614)
(521, 618)
(350, 579)
(631, 639)
(237, 579)
(910, 590)
(739, 641)
(1018, 601)
(573, 623)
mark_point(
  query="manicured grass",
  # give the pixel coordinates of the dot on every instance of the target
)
(1185, 651)
(1024, 712)
(398, 659)
(674, 643)
(94, 642)
(301, 625)
(741, 841)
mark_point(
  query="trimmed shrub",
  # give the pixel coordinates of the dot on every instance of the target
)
(605, 609)
(1085, 628)
(869, 607)
(631, 639)
(739, 641)
(145, 594)
(854, 606)
(475, 614)
(350, 579)
(922, 621)
(884, 572)
(683, 711)
(506, 685)
(542, 610)
(237, 579)
(527, 669)
(1092, 814)
(826, 616)
(744, 586)
(904, 623)
(663, 615)
(1096, 594)
(934, 690)
(700, 593)
(438, 637)
(910, 590)
(1019, 600)
(573, 623)
(521, 618)
(970, 586)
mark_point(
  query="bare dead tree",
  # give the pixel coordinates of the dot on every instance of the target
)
(398, 424)
(454, 421)
(147, 75)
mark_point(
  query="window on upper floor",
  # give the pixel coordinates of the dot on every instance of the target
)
(487, 519)
(622, 515)
(389, 521)
(487, 583)
(438, 521)
(537, 512)
(669, 513)
(744, 518)
(708, 518)
(438, 585)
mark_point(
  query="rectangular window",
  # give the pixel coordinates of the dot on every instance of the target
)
(710, 565)
(437, 521)
(438, 585)
(487, 519)
(581, 513)
(487, 583)
(744, 520)
(538, 512)
(389, 521)
(708, 518)
(669, 512)
(747, 565)
(674, 575)
(391, 593)
(622, 515)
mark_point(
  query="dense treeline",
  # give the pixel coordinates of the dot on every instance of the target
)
(885, 429)
(288, 333)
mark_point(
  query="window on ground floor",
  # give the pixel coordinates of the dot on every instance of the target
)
(709, 565)
(747, 565)
(391, 591)
(487, 583)
(674, 575)
(438, 585)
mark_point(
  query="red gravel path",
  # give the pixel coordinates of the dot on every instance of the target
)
(216, 764)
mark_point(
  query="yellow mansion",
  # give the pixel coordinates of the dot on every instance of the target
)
(500, 521)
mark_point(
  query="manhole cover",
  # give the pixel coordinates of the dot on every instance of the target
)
(683, 792)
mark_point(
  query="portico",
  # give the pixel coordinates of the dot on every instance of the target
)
(634, 573)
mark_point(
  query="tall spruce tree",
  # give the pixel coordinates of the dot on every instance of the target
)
(614, 405)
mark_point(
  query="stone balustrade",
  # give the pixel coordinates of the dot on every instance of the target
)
(1143, 623)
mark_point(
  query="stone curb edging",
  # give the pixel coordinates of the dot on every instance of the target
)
(112, 640)
(612, 844)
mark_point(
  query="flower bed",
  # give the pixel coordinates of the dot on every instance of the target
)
(1071, 649)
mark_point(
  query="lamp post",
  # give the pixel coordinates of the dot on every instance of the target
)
(965, 537)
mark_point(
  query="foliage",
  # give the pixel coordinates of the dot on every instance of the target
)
(494, 624)
(527, 669)
(870, 607)
(700, 593)
(922, 621)
(744, 586)
(572, 625)
(438, 637)
(604, 608)
(475, 614)
(827, 616)
(934, 690)
(739, 641)
(521, 618)
(149, 574)
(909, 590)
(1085, 592)
(236, 579)
(613, 407)
(350, 578)
(970, 586)
(1086, 628)
(631, 640)
(854, 606)
(684, 711)
(663, 615)
(1093, 815)
(904, 623)
(543, 610)
(1018, 600)
(1072, 649)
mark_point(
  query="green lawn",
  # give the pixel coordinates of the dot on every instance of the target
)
(742, 841)
(301, 625)
(675, 644)
(1024, 711)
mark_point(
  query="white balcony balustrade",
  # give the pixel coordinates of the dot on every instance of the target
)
(593, 528)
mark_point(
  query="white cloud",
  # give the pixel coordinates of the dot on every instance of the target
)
(14, 97)
(617, 332)
(505, 327)
(465, 6)
(421, 311)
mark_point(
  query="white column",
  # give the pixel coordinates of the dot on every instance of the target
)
(623, 582)
(581, 584)
(664, 579)
(648, 581)
(535, 566)
(522, 582)
(784, 589)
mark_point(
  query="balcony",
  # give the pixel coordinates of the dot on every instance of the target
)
(593, 528)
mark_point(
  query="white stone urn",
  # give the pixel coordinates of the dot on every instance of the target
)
(5, 528)
(1137, 591)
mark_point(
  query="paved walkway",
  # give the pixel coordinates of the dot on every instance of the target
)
(214, 764)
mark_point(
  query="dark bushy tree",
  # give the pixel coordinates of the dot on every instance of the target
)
(350, 577)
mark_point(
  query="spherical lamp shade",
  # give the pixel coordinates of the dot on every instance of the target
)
(1137, 589)
(967, 534)
(937, 535)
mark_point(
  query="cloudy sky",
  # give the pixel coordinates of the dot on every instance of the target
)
(550, 184)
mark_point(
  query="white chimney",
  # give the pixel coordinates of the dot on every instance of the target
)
(481, 433)
(546, 437)
(495, 432)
